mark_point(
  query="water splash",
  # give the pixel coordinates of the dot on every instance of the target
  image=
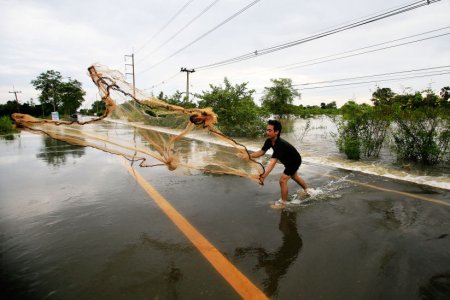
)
(331, 190)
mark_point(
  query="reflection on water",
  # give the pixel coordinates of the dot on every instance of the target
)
(100, 237)
(396, 215)
(143, 276)
(438, 287)
(277, 263)
(9, 136)
(55, 153)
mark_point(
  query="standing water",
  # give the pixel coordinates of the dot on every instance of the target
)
(315, 138)
(75, 225)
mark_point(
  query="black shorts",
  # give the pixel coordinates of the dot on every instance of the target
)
(291, 168)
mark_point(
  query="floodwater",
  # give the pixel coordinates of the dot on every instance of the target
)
(316, 138)
(75, 225)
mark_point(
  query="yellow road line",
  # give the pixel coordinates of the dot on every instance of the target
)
(385, 189)
(243, 286)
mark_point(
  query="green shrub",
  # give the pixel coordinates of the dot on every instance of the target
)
(362, 130)
(6, 125)
(422, 135)
(351, 147)
(237, 113)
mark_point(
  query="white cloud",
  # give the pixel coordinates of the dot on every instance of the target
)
(68, 36)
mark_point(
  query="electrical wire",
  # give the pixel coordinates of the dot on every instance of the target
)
(314, 60)
(162, 82)
(256, 53)
(376, 75)
(360, 77)
(166, 25)
(370, 51)
(181, 29)
(439, 73)
(203, 35)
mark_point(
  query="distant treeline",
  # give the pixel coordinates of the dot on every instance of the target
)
(419, 121)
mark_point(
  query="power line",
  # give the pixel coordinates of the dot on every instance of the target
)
(163, 81)
(203, 35)
(304, 65)
(181, 29)
(439, 73)
(370, 51)
(402, 9)
(167, 24)
(305, 62)
(375, 75)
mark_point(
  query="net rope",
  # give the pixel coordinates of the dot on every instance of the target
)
(164, 131)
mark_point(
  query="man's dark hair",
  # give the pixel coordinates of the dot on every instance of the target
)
(276, 126)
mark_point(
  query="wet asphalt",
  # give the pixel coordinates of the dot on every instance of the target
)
(76, 225)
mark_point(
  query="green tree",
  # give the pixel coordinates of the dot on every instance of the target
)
(98, 108)
(422, 131)
(66, 97)
(362, 130)
(161, 96)
(177, 99)
(237, 113)
(26, 108)
(331, 105)
(383, 96)
(71, 94)
(8, 108)
(445, 93)
(278, 99)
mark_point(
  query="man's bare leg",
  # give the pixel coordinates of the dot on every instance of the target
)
(300, 182)
(284, 186)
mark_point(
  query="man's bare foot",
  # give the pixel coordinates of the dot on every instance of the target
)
(280, 204)
(304, 195)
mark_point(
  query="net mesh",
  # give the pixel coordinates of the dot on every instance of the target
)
(149, 131)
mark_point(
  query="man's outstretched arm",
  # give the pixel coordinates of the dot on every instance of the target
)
(258, 153)
(270, 166)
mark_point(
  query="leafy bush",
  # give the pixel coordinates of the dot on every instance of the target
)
(351, 147)
(362, 130)
(6, 125)
(238, 115)
(422, 126)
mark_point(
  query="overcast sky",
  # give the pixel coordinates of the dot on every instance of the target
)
(69, 36)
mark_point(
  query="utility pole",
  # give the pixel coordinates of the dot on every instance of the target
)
(17, 100)
(187, 81)
(54, 97)
(132, 72)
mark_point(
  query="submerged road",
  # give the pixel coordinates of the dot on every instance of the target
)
(342, 183)
(244, 287)
(75, 224)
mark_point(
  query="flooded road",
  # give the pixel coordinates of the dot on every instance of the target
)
(76, 225)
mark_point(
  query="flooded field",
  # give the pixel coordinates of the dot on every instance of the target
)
(76, 225)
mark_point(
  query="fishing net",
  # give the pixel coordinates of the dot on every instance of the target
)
(149, 131)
